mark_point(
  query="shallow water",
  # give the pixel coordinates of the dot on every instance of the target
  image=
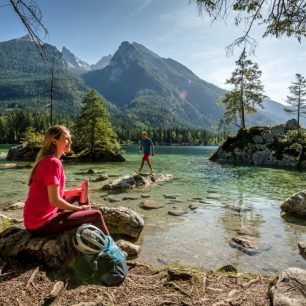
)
(201, 237)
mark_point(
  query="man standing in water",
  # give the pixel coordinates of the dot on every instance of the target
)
(146, 144)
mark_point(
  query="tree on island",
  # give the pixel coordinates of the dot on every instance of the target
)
(92, 128)
(248, 92)
(297, 99)
(278, 17)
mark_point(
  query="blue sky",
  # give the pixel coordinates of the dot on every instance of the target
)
(170, 28)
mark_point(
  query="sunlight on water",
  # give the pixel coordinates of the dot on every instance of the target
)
(201, 237)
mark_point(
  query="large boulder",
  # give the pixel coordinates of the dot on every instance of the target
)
(302, 247)
(296, 204)
(56, 252)
(59, 251)
(137, 180)
(23, 152)
(122, 221)
(290, 288)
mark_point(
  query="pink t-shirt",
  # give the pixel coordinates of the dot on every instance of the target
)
(38, 210)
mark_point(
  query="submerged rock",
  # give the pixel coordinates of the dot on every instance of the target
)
(150, 204)
(245, 244)
(17, 205)
(249, 245)
(177, 212)
(236, 208)
(296, 204)
(100, 178)
(289, 288)
(133, 181)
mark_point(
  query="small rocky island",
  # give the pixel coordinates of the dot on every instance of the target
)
(264, 146)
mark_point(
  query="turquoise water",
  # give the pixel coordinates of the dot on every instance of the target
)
(201, 237)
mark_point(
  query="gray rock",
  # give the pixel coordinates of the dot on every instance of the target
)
(24, 151)
(17, 205)
(100, 178)
(92, 171)
(56, 252)
(302, 247)
(131, 249)
(133, 181)
(194, 206)
(290, 288)
(258, 139)
(169, 196)
(59, 251)
(144, 196)
(150, 204)
(296, 204)
(291, 124)
(130, 198)
(177, 212)
(236, 208)
(112, 199)
(278, 130)
(247, 231)
(123, 221)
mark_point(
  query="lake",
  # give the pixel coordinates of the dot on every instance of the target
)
(201, 237)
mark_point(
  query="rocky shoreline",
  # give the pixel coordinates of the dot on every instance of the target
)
(263, 146)
(40, 271)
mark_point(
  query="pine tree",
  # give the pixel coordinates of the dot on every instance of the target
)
(297, 100)
(248, 92)
(92, 127)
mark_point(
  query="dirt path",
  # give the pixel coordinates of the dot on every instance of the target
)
(144, 286)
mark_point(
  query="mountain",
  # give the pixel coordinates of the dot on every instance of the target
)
(141, 88)
(25, 79)
(74, 62)
(103, 62)
(156, 91)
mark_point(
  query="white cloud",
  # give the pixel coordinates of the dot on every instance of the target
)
(142, 6)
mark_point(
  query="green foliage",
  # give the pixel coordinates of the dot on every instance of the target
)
(280, 17)
(5, 223)
(92, 128)
(177, 136)
(14, 125)
(25, 79)
(248, 92)
(32, 137)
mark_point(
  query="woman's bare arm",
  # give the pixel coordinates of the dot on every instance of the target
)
(56, 200)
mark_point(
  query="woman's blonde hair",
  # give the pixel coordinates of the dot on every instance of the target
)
(48, 147)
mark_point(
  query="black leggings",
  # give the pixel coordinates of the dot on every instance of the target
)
(63, 221)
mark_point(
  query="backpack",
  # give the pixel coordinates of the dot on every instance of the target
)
(109, 265)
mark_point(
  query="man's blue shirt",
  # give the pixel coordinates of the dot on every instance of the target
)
(146, 143)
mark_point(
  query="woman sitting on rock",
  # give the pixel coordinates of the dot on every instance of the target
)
(46, 211)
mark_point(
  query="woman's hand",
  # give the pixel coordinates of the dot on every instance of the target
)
(83, 207)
